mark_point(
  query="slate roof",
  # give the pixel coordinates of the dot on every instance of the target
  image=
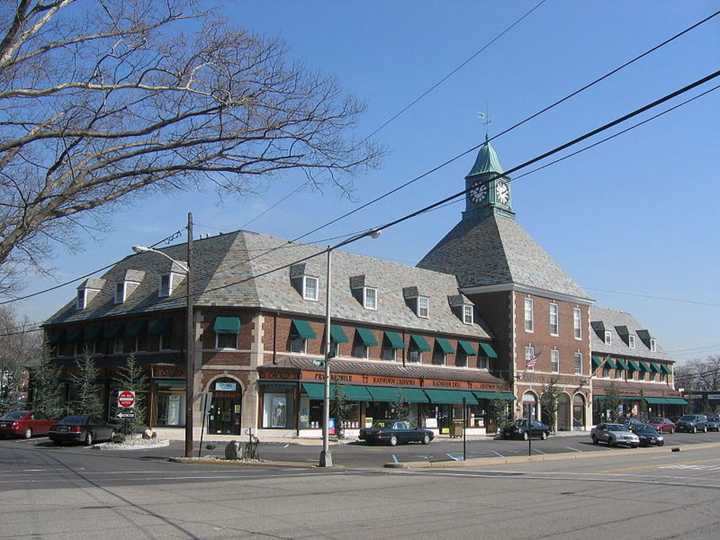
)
(390, 369)
(224, 259)
(496, 250)
(612, 319)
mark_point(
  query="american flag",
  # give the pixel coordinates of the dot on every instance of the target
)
(530, 358)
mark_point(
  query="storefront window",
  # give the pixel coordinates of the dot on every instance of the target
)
(171, 409)
(460, 358)
(275, 410)
(482, 362)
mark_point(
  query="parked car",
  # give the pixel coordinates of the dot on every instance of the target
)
(519, 430)
(614, 435)
(692, 423)
(713, 423)
(394, 432)
(24, 424)
(663, 425)
(81, 429)
(648, 435)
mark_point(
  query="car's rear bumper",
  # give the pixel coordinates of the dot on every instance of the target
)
(66, 437)
(9, 432)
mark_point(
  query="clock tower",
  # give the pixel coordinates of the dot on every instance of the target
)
(487, 193)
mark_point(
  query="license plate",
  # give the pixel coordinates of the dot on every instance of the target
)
(62, 428)
(3, 424)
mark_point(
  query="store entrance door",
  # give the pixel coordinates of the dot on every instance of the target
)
(225, 408)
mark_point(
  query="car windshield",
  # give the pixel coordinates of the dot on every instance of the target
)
(380, 424)
(15, 415)
(714, 418)
(647, 430)
(687, 418)
(615, 427)
(74, 420)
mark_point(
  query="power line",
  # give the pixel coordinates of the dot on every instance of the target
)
(507, 130)
(651, 297)
(412, 103)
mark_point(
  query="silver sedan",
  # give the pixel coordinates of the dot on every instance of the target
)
(614, 435)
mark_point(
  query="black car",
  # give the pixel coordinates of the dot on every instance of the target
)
(692, 423)
(519, 430)
(394, 432)
(648, 435)
(81, 429)
(713, 423)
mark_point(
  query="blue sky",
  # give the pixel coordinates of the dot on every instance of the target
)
(637, 214)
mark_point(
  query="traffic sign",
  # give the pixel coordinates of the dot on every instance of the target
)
(126, 415)
(126, 399)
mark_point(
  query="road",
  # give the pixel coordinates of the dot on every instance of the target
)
(81, 493)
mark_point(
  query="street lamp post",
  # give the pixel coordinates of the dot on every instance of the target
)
(190, 354)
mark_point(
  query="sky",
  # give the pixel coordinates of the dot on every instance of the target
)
(636, 216)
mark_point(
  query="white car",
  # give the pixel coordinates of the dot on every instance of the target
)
(614, 435)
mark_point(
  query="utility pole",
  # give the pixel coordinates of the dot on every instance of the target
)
(190, 332)
(325, 455)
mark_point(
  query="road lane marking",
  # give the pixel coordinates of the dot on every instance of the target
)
(573, 449)
(395, 458)
(539, 451)
(498, 454)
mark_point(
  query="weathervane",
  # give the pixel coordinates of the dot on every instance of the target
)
(485, 119)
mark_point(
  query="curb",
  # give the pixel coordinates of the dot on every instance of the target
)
(474, 462)
(239, 462)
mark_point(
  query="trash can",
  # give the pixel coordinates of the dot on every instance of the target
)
(456, 428)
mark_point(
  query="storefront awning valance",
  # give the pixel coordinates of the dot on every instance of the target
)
(488, 350)
(645, 366)
(227, 325)
(656, 368)
(303, 329)
(367, 337)
(505, 396)
(621, 398)
(666, 401)
(337, 334)
(666, 369)
(622, 364)
(160, 327)
(634, 365)
(420, 343)
(611, 363)
(352, 392)
(596, 362)
(395, 340)
(467, 348)
(444, 345)
(389, 394)
(135, 328)
(111, 331)
(451, 397)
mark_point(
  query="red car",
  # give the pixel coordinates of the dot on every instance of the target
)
(24, 424)
(662, 425)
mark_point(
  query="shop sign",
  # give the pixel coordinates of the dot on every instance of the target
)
(287, 374)
(390, 381)
(225, 387)
(166, 372)
(445, 384)
(714, 396)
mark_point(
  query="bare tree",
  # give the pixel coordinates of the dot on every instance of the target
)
(702, 375)
(103, 99)
(19, 351)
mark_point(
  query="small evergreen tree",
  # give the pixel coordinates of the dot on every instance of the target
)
(612, 401)
(132, 377)
(46, 390)
(498, 412)
(401, 408)
(549, 403)
(88, 393)
(340, 407)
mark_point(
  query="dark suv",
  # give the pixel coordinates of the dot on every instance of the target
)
(692, 423)
(713, 422)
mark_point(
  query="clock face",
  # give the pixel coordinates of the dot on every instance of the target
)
(478, 192)
(502, 192)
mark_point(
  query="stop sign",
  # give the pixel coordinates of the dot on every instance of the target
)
(126, 399)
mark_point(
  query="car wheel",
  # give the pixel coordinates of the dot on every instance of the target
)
(28, 433)
(544, 435)
(672, 430)
(694, 430)
(88, 439)
(525, 436)
(705, 430)
(595, 441)
(393, 441)
(426, 439)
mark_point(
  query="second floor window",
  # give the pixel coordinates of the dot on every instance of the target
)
(414, 355)
(370, 298)
(555, 360)
(482, 362)
(530, 357)
(226, 341)
(388, 353)
(120, 292)
(578, 363)
(359, 349)
(310, 288)
(554, 322)
(298, 344)
(608, 337)
(468, 314)
(606, 372)
(529, 322)
(165, 285)
(577, 323)
(438, 357)
(423, 307)
(460, 358)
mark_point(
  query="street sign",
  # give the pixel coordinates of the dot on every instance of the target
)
(126, 399)
(126, 415)
(318, 363)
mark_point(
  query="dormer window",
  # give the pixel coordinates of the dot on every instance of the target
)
(311, 286)
(370, 298)
(120, 292)
(468, 314)
(423, 307)
(653, 345)
(166, 283)
(631, 341)
(82, 298)
(608, 337)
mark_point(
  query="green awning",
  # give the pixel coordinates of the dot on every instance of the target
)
(656, 368)
(160, 327)
(622, 364)
(227, 325)
(74, 335)
(135, 328)
(596, 362)
(367, 337)
(444, 345)
(645, 366)
(506, 396)
(395, 340)
(420, 343)
(634, 365)
(666, 401)
(93, 332)
(621, 398)
(488, 350)
(112, 331)
(352, 392)
(389, 394)
(666, 369)
(451, 397)
(303, 329)
(610, 362)
(467, 348)
(337, 334)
